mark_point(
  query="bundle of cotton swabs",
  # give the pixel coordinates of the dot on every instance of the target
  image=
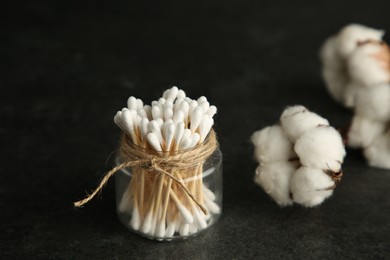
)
(158, 207)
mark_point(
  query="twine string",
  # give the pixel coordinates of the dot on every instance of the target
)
(135, 156)
(103, 182)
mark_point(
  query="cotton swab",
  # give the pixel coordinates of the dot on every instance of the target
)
(205, 126)
(147, 223)
(135, 219)
(187, 216)
(178, 117)
(196, 118)
(154, 127)
(169, 134)
(212, 206)
(202, 99)
(144, 128)
(179, 131)
(128, 122)
(142, 113)
(199, 218)
(168, 113)
(172, 94)
(204, 105)
(186, 140)
(195, 138)
(181, 94)
(148, 111)
(132, 103)
(184, 229)
(154, 142)
(156, 112)
(211, 111)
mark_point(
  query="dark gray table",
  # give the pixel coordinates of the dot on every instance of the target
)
(69, 66)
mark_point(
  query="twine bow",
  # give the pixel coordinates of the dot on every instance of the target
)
(158, 163)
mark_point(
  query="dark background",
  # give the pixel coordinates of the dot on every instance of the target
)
(67, 67)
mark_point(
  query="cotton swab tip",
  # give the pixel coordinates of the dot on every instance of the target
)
(186, 215)
(147, 224)
(160, 230)
(154, 142)
(135, 219)
(132, 103)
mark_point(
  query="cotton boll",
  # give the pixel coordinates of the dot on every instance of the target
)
(271, 144)
(334, 55)
(374, 103)
(366, 65)
(352, 34)
(322, 148)
(275, 178)
(363, 130)
(296, 120)
(378, 153)
(310, 186)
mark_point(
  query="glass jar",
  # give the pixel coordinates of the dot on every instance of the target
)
(155, 206)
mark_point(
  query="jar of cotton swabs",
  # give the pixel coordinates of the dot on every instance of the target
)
(168, 169)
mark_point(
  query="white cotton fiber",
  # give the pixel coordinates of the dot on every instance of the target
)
(321, 148)
(363, 131)
(310, 186)
(296, 120)
(334, 55)
(271, 144)
(314, 146)
(352, 34)
(378, 153)
(275, 178)
(293, 110)
(374, 103)
(364, 66)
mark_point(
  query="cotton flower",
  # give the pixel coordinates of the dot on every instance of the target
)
(300, 160)
(356, 69)
(334, 55)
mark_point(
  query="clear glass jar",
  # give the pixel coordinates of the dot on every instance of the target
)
(155, 206)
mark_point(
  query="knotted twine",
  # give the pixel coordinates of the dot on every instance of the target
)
(155, 162)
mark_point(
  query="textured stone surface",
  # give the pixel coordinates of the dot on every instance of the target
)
(68, 67)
